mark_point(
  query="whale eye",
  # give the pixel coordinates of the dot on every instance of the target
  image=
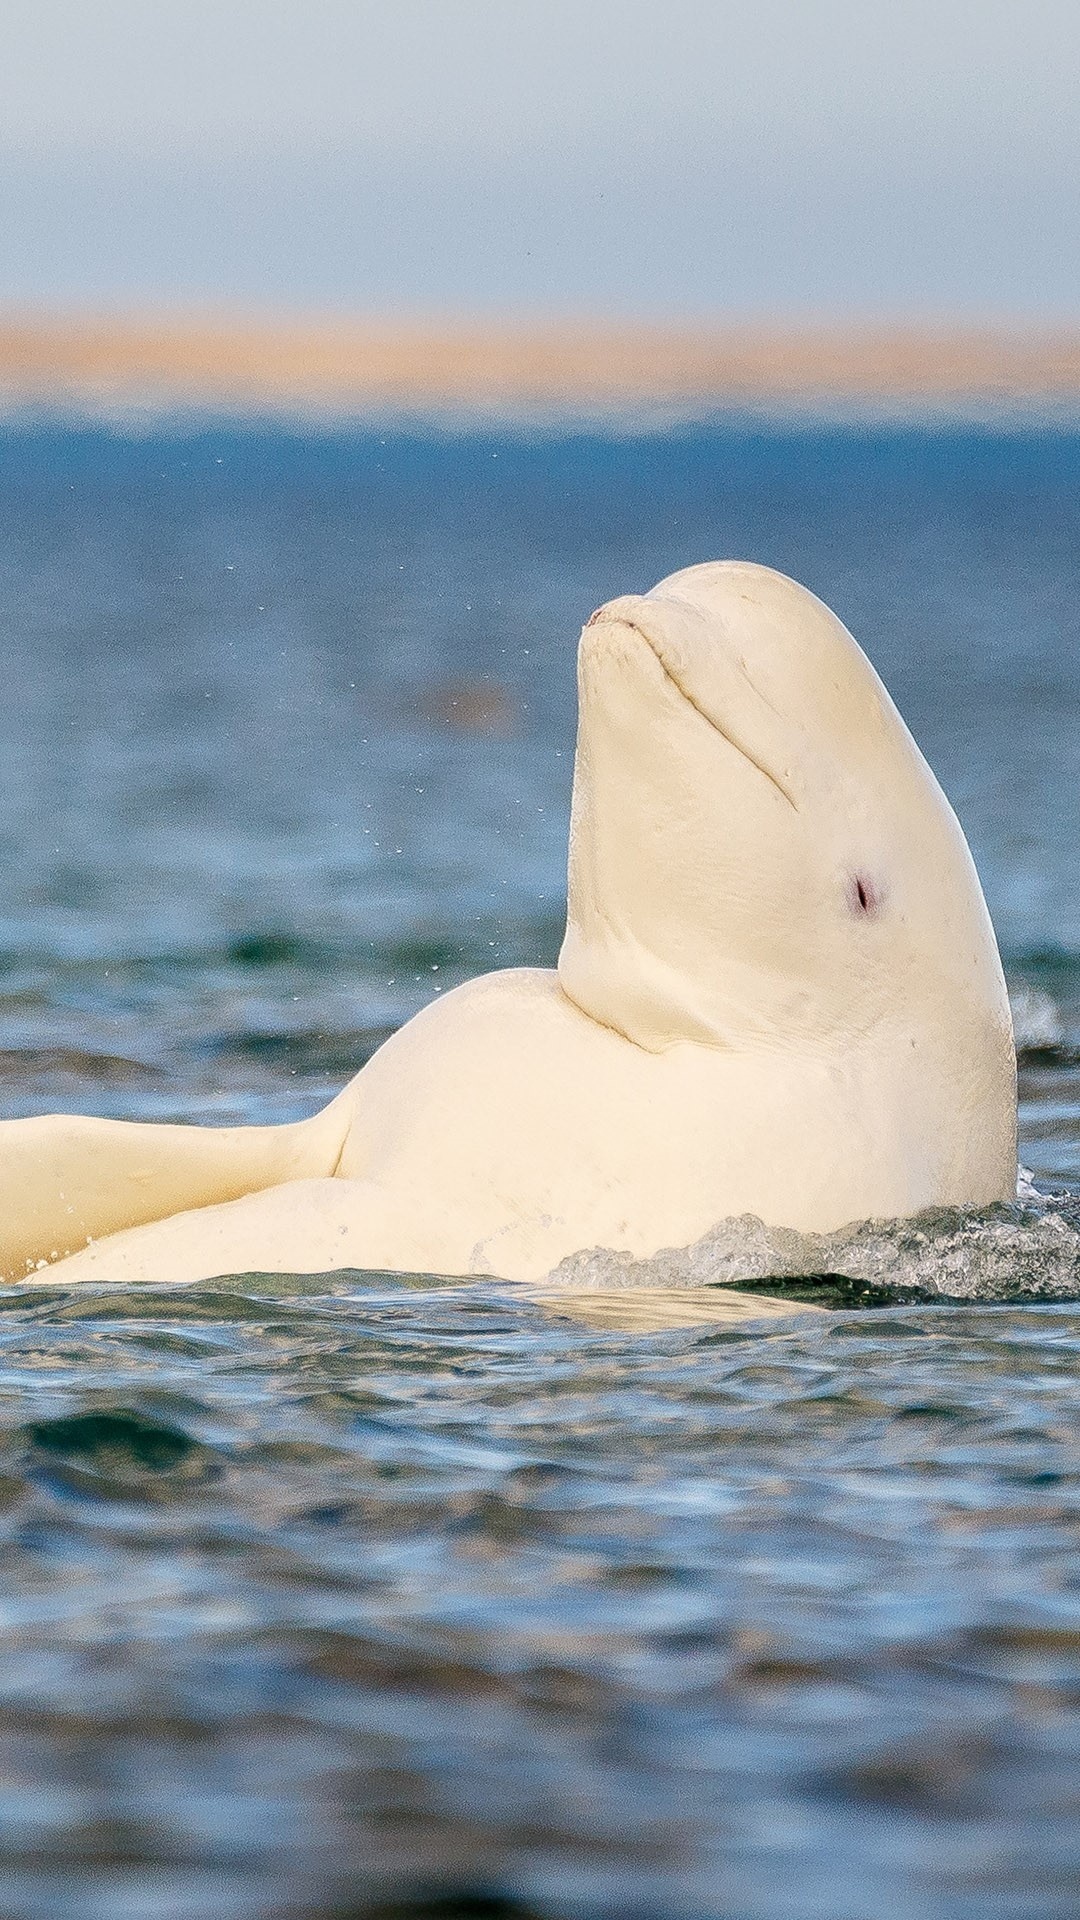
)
(864, 898)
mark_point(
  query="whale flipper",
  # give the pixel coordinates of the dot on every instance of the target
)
(316, 1224)
(66, 1179)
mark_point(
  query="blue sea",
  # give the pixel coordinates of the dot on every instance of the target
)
(392, 1598)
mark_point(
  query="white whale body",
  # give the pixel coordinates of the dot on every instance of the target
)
(779, 994)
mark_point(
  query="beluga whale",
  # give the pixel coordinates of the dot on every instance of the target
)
(779, 994)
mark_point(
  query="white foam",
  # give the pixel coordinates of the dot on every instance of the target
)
(1037, 1018)
(1030, 1249)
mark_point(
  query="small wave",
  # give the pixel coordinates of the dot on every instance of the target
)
(1026, 1250)
(1038, 1020)
(1044, 993)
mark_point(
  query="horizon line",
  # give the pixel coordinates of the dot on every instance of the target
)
(226, 355)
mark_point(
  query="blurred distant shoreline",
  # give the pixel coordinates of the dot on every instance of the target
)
(358, 366)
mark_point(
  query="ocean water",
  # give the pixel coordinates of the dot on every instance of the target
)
(387, 1598)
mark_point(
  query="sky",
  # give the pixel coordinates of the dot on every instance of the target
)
(684, 161)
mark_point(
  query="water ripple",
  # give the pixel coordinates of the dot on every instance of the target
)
(326, 1592)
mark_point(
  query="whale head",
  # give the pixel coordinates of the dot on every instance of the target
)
(759, 854)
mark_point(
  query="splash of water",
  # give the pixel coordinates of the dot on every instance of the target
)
(1028, 1249)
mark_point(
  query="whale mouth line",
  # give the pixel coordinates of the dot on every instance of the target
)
(745, 753)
